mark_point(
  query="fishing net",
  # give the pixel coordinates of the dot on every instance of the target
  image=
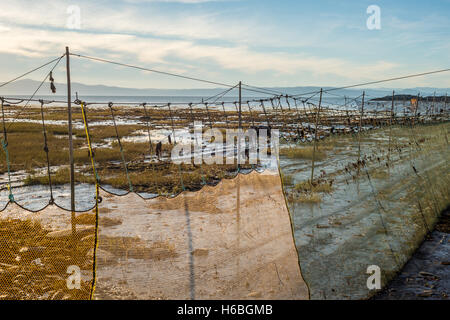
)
(39, 254)
(374, 197)
(147, 227)
(230, 238)
(230, 241)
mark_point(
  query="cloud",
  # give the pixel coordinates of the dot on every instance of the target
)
(161, 52)
(177, 1)
(201, 43)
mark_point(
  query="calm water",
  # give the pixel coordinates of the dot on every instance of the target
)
(327, 101)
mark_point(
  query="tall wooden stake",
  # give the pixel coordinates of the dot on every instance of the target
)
(360, 127)
(72, 170)
(315, 138)
(434, 105)
(390, 131)
(415, 111)
(240, 124)
(445, 103)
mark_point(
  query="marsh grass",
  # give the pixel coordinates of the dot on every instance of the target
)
(303, 153)
(306, 186)
(313, 198)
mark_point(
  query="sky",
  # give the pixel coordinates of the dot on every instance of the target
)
(259, 42)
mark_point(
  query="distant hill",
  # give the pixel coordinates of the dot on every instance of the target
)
(27, 87)
(406, 97)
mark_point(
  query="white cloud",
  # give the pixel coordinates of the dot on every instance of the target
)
(158, 40)
(45, 43)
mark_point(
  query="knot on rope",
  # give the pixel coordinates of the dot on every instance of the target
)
(11, 196)
(110, 104)
(51, 201)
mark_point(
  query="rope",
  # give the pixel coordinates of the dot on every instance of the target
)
(225, 114)
(97, 200)
(265, 113)
(46, 152)
(183, 188)
(34, 93)
(110, 105)
(31, 71)
(209, 116)
(251, 114)
(5, 149)
(147, 121)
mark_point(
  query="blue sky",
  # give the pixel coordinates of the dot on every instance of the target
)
(264, 43)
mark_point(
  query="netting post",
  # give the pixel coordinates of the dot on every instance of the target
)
(445, 103)
(239, 127)
(390, 134)
(434, 105)
(315, 138)
(72, 169)
(416, 110)
(359, 130)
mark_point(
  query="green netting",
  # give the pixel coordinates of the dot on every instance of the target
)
(372, 213)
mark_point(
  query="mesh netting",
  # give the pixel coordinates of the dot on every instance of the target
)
(231, 241)
(39, 252)
(162, 230)
(371, 211)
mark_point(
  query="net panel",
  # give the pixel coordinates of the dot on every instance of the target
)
(231, 241)
(375, 211)
(39, 253)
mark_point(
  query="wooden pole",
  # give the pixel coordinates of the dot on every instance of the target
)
(417, 109)
(72, 170)
(390, 131)
(433, 110)
(360, 127)
(240, 124)
(445, 103)
(315, 138)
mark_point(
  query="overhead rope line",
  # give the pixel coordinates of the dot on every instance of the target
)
(379, 81)
(29, 72)
(158, 71)
(34, 93)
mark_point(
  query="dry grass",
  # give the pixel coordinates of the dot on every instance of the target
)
(24, 241)
(308, 198)
(306, 186)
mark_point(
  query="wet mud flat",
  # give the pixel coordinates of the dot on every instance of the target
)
(426, 276)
